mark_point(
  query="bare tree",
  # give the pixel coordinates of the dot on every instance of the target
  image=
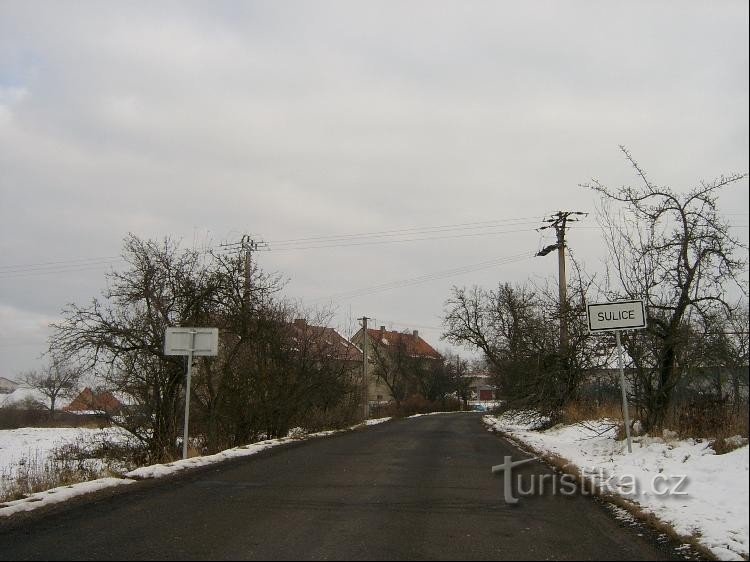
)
(717, 357)
(511, 326)
(59, 379)
(675, 251)
(507, 325)
(121, 335)
(285, 371)
(397, 367)
(268, 375)
(446, 377)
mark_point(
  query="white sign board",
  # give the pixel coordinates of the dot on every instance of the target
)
(177, 341)
(621, 315)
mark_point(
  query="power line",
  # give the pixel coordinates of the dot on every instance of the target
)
(400, 241)
(69, 269)
(434, 276)
(54, 264)
(411, 230)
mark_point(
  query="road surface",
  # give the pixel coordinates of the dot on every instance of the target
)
(411, 489)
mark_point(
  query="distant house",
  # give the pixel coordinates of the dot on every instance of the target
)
(482, 387)
(90, 402)
(7, 386)
(383, 346)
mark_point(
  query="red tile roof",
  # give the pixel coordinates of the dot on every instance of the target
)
(88, 400)
(413, 344)
(330, 341)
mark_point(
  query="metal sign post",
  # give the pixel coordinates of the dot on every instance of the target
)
(625, 411)
(187, 393)
(615, 317)
(190, 342)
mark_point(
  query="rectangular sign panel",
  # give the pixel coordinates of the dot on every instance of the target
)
(621, 315)
(177, 341)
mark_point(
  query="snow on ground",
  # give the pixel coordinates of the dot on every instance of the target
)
(710, 499)
(377, 421)
(434, 414)
(489, 404)
(18, 447)
(20, 443)
(58, 495)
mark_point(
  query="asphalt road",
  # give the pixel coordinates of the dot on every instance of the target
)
(411, 489)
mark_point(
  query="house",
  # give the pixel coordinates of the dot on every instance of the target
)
(90, 402)
(7, 386)
(387, 350)
(327, 342)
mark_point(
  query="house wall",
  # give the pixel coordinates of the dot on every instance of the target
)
(377, 390)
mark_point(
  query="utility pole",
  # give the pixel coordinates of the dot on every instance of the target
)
(247, 246)
(366, 409)
(559, 222)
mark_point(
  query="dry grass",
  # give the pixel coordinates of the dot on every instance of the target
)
(715, 421)
(33, 475)
(87, 458)
(577, 412)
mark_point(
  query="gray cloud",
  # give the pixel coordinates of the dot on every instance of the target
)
(298, 119)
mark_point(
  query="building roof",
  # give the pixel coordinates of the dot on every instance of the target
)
(329, 340)
(88, 401)
(412, 342)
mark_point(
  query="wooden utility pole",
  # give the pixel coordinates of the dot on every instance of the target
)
(365, 379)
(562, 282)
(559, 222)
(246, 246)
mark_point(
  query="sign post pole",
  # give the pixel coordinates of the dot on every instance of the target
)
(187, 394)
(625, 411)
(190, 342)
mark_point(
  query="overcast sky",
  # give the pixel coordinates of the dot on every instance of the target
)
(287, 120)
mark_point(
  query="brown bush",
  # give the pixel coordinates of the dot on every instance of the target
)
(14, 417)
(416, 404)
(338, 417)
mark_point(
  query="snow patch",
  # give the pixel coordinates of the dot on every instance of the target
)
(714, 508)
(59, 495)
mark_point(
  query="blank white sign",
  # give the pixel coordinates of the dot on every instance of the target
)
(177, 341)
(621, 315)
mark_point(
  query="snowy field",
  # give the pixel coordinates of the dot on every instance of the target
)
(35, 445)
(682, 482)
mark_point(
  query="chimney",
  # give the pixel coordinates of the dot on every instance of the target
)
(382, 329)
(300, 322)
(415, 333)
